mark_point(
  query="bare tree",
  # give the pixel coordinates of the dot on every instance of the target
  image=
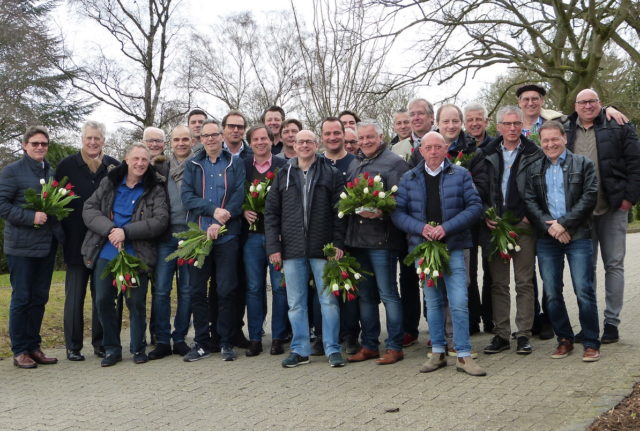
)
(134, 83)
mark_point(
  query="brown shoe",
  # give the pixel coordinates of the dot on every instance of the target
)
(591, 355)
(390, 357)
(469, 366)
(363, 355)
(41, 358)
(564, 348)
(23, 360)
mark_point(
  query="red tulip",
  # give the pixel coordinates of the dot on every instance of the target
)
(255, 194)
(421, 261)
(448, 156)
(459, 156)
(127, 277)
(375, 193)
(344, 275)
(115, 283)
(422, 276)
(256, 182)
(55, 183)
(72, 193)
(350, 296)
(336, 293)
(180, 261)
(349, 185)
(512, 234)
(356, 181)
(430, 283)
(123, 287)
(277, 267)
(270, 175)
(370, 182)
(191, 261)
(366, 175)
(69, 186)
(45, 195)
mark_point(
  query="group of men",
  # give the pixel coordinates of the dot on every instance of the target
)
(571, 195)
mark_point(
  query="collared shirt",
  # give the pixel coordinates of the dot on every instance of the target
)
(434, 172)
(262, 167)
(508, 158)
(124, 205)
(226, 147)
(415, 140)
(534, 128)
(214, 188)
(555, 187)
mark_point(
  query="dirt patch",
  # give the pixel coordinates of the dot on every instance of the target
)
(623, 417)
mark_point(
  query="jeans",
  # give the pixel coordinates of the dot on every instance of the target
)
(297, 275)
(161, 296)
(30, 280)
(106, 296)
(455, 283)
(579, 254)
(381, 286)
(255, 266)
(610, 232)
(223, 261)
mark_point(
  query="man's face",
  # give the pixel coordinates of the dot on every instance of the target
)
(531, 103)
(587, 106)
(260, 143)
(450, 123)
(475, 124)
(211, 139)
(92, 142)
(421, 121)
(351, 143)
(234, 129)
(195, 124)
(510, 127)
(369, 140)
(553, 143)
(332, 136)
(402, 125)
(289, 133)
(306, 145)
(273, 120)
(181, 142)
(138, 161)
(434, 150)
(348, 120)
(155, 142)
(37, 147)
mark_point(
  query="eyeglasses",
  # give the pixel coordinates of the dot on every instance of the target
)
(154, 141)
(235, 126)
(41, 144)
(210, 135)
(530, 99)
(510, 124)
(587, 102)
(354, 142)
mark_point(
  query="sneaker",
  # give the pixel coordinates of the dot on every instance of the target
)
(610, 334)
(409, 339)
(469, 366)
(227, 353)
(317, 348)
(336, 360)
(564, 348)
(111, 359)
(140, 358)
(498, 344)
(181, 348)
(435, 362)
(524, 347)
(160, 351)
(591, 355)
(196, 353)
(293, 360)
(453, 353)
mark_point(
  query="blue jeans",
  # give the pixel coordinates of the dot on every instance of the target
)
(30, 280)
(373, 288)
(162, 296)
(255, 267)
(579, 253)
(455, 283)
(106, 295)
(297, 274)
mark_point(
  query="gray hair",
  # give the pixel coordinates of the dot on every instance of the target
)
(91, 124)
(153, 129)
(509, 109)
(135, 145)
(369, 122)
(475, 106)
(428, 105)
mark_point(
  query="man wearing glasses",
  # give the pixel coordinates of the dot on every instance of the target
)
(233, 127)
(499, 174)
(616, 152)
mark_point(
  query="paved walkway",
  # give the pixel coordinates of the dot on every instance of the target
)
(520, 393)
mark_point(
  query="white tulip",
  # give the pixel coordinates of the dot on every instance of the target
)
(366, 190)
(382, 195)
(42, 181)
(518, 248)
(340, 214)
(121, 278)
(180, 243)
(252, 188)
(63, 191)
(436, 274)
(377, 178)
(343, 195)
(510, 246)
(335, 287)
(268, 188)
(394, 189)
(259, 187)
(418, 270)
(348, 286)
(133, 280)
(357, 276)
(458, 163)
(427, 271)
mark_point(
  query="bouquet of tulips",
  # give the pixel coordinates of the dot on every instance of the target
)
(432, 258)
(194, 246)
(462, 159)
(124, 269)
(52, 199)
(340, 277)
(504, 238)
(366, 193)
(256, 196)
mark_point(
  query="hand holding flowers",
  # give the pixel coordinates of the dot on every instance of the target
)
(432, 258)
(52, 200)
(341, 274)
(504, 233)
(366, 196)
(124, 269)
(194, 246)
(255, 199)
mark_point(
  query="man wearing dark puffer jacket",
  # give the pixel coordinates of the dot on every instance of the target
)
(300, 218)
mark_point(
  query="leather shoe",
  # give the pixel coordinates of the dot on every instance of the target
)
(390, 357)
(240, 341)
(591, 355)
(23, 360)
(254, 349)
(162, 350)
(276, 347)
(41, 358)
(111, 359)
(99, 352)
(363, 355)
(75, 355)
(564, 348)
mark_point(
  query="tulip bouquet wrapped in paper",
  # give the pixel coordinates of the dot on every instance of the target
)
(366, 193)
(194, 246)
(504, 238)
(125, 270)
(341, 277)
(53, 199)
(256, 195)
(432, 259)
